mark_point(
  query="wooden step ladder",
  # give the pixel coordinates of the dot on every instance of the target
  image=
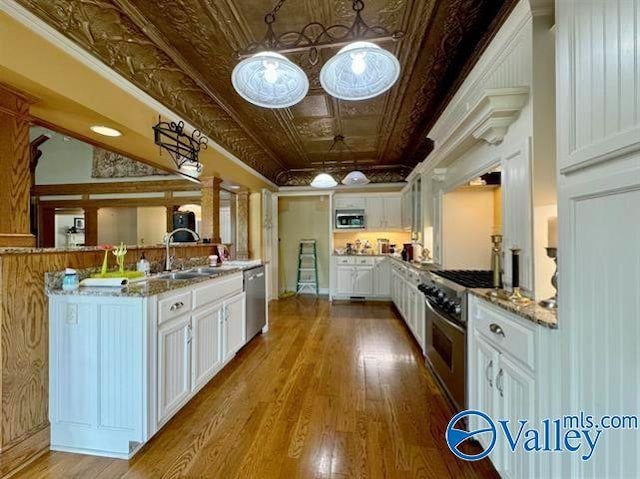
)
(307, 267)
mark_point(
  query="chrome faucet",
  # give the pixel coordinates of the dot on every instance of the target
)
(167, 243)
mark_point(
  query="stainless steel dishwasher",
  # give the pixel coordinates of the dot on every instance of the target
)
(255, 289)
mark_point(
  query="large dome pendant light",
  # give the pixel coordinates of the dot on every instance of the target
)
(359, 71)
(270, 80)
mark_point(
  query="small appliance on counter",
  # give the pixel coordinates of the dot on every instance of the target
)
(383, 246)
(349, 220)
(407, 252)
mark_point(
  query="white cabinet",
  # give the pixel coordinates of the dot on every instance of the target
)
(355, 276)
(174, 366)
(344, 280)
(374, 213)
(515, 386)
(383, 212)
(437, 226)
(408, 299)
(382, 278)
(363, 281)
(234, 325)
(121, 367)
(406, 207)
(349, 202)
(505, 352)
(483, 365)
(206, 345)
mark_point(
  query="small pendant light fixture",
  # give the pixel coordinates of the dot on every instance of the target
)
(323, 180)
(360, 70)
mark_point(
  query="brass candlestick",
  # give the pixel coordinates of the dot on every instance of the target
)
(552, 302)
(496, 265)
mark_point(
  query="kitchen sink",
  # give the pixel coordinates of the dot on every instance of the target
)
(207, 271)
(182, 275)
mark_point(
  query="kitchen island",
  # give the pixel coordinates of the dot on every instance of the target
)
(123, 361)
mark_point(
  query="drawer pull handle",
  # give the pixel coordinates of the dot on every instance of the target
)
(489, 374)
(495, 329)
(499, 381)
(176, 306)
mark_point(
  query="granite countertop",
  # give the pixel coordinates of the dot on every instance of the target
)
(153, 286)
(416, 266)
(531, 311)
(82, 249)
(360, 254)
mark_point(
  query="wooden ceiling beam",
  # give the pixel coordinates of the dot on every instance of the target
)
(156, 186)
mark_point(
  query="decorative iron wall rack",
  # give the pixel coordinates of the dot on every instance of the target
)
(315, 36)
(183, 148)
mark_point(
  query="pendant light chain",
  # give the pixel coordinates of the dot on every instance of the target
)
(360, 70)
(270, 17)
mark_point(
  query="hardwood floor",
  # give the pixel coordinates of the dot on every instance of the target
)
(332, 391)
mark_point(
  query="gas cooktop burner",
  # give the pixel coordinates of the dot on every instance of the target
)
(468, 278)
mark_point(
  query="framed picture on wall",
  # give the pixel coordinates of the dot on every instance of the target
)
(78, 224)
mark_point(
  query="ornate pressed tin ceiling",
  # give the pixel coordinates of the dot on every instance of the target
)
(181, 52)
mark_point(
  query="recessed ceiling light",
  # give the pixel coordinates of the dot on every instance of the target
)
(234, 187)
(105, 130)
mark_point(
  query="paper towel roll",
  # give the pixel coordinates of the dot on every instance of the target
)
(107, 282)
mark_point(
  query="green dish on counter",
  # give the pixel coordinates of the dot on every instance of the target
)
(118, 274)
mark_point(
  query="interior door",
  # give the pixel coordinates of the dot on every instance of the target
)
(235, 326)
(174, 366)
(206, 345)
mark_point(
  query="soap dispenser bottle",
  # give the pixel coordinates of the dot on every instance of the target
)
(143, 266)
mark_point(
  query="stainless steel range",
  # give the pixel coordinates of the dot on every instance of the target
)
(446, 319)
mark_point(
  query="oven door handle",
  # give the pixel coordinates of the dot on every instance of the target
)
(443, 318)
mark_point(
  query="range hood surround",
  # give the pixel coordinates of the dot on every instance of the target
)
(487, 121)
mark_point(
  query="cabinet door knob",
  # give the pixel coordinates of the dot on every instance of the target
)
(176, 306)
(489, 373)
(496, 329)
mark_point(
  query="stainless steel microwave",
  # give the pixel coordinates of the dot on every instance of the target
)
(350, 220)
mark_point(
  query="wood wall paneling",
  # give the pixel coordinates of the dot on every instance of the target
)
(24, 431)
(115, 187)
(15, 228)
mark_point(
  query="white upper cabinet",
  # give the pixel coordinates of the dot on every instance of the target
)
(349, 202)
(375, 217)
(382, 211)
(598, 52)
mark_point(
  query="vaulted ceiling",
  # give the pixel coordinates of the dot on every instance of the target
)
(181, 52)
